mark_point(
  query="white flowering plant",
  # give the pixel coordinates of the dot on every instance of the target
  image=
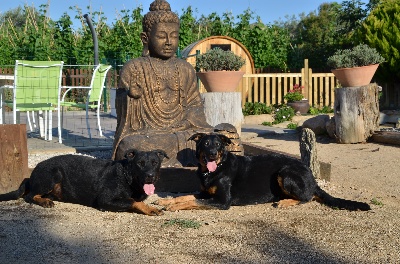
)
(283, 113)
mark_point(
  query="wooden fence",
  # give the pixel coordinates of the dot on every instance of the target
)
(269, 88)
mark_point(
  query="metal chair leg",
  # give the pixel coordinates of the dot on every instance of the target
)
(50, 131)
(87, 121)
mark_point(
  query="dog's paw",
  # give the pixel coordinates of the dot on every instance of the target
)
(285, 203)
(172, 208)
(155, 212)
(46, 203)
(164, 202)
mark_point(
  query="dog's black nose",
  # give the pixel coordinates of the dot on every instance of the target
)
(150, 177)
(213, 152)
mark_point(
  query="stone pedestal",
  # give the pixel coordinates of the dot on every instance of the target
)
(223, 107)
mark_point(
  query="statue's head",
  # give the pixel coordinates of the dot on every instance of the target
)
(160, 30)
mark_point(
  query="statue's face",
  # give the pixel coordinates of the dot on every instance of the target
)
(163, 40)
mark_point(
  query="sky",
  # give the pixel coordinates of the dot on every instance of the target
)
(268, 10)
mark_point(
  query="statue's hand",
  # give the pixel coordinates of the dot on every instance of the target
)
(135, 91)
(182, 125)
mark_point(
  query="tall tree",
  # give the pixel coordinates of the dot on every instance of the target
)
(187, 28)
(351, 15)
(123, 41)
(381, 30)
(316, 35)
(268, 45)
(64, 44)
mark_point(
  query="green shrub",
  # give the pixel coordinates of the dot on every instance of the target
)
(361, 55)
(219, 60)
(256, 109)
(323, 110)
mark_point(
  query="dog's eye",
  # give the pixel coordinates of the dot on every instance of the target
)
(206, 143)
(142, 163)
(154, 162)
(218, 144)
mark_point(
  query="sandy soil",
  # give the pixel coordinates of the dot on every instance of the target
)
(308, 233)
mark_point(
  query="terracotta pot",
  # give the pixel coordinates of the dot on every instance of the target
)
(220, 81)
(300, 106)
(356, 76)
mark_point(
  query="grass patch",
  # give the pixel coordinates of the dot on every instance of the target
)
(377, 202)
(292, 126)
(266, 123)
(184, 223)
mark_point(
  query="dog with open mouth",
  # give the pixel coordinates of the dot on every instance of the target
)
(107, 185)
(228, 179)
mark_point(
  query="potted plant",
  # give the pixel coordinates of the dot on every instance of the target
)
(296, 100)
(356, 66)
(219, 70)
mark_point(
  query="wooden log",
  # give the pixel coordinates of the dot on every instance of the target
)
(14, 157)
(356, 113)
(223, 107)
(386, 137)
(308, 151)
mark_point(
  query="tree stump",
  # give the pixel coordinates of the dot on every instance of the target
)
(223, 107)
(356, 113)
(14, 157)
(308, 151)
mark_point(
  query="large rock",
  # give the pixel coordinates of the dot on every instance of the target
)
(317, 124)
(331, 127)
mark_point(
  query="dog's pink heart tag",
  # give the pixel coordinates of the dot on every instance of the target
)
(211, 166)
(149, 189)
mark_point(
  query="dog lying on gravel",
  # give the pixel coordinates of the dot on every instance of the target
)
(228, 180)
(103, 184)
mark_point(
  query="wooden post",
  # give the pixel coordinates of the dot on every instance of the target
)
(356, 113)
(223, 107)
(305, 79)
(14, 157)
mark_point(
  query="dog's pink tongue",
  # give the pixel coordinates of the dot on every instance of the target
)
(211, 166)
(149, 189)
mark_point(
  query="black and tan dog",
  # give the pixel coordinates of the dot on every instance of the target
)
(103, 184)
(228, 180)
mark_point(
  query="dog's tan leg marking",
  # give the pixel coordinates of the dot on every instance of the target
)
(57, 191)
(146, 209)
(181, 199)
(44, 202)
(212, 190)
(188, 205)
(280, 183)
(287, 203)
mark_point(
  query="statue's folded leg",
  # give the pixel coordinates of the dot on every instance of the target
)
(180, 151)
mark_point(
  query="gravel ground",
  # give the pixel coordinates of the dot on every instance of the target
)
(308, 233)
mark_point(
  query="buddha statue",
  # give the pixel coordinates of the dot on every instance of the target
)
(158, 103)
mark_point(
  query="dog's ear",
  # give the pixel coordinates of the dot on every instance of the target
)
(161, 153)
(197, 137)
(130, 153)
(227, 141)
